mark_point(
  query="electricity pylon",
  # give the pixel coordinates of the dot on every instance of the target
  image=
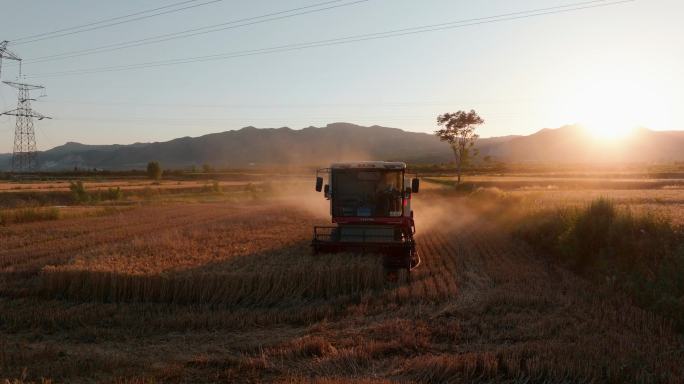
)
(6, 54)
(24, 156)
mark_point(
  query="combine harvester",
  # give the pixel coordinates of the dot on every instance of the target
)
(371, 204)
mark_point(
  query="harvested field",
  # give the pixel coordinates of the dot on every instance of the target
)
(227, 291)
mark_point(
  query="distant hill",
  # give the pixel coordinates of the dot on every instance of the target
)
(257, 147)
(574, 144)
(343, 141)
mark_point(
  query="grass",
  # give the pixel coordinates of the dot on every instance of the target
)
(28, 215)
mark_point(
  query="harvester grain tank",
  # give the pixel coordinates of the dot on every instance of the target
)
(370, 205)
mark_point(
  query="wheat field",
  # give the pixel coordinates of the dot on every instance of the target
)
(229, 291)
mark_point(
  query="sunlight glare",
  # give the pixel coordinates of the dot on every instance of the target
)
(613, 97)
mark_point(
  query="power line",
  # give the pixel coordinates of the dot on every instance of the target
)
(107, 23)
(104, 21)
(335, 117)
(346, 40)
(396, 104)
(182, 34)
(233, 24)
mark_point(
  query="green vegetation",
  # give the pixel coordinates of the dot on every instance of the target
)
(639, 254)
(154, 170)
(114, 194)
(80, 195)
(78, 192)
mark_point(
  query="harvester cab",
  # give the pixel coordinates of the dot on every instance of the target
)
(370, 205)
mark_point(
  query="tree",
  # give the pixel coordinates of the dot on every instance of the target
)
(154, 170)
(458, 129)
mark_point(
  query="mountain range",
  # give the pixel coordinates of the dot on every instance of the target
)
(251, 146)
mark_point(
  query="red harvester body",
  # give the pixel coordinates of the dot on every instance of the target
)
(370, 203)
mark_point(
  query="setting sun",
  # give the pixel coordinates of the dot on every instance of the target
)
(613, 95)
(612, 108)
(608, 126)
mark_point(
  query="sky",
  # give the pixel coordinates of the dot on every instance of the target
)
(609, 67)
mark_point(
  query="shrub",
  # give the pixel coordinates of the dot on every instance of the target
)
(113, 194)
(78, 192)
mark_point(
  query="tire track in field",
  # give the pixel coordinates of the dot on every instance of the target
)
(448, 260)
(427, 275)
(438, 268)
(451, 262)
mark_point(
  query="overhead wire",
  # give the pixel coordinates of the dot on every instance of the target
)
(346, 40)
(106, 23)
(233, 24)
(397, 104)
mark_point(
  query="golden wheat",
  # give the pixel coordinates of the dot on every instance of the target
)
(230, 292)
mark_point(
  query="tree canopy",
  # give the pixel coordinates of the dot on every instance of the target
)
(458, 129)
(154, 170)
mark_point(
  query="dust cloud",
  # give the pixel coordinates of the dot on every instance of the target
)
(484, 208)
(432, 211)
(300, 194)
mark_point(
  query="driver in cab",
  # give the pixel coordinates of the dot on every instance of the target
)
(387, 196)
